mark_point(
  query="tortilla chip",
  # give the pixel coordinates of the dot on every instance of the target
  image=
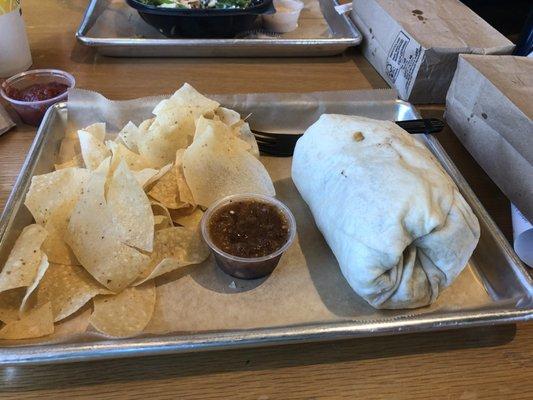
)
(186, 104)
(189, 98)
(174, 248)
(160, 173)
(10, 302)
(76, 162)
(243, 132)
(190, 221)
(56, 248)
(145, 125)
(75, 324)
(159, 144)
(130, 135)
(67, 288)
(169, 113)
(134, 161)
(227, 116)
(93, 151)
(125, 314)
(24, 260)
(184, 192)
(162, 222)
(181, 212)
(165, 190)
(159, 209)
(36, 323)
(97, 130)
(217, 164)
(51, 199)
(93, 238)
(50, 194)
(145, 175)
(130, 209)
(43, 266)
(174, 125)
(162, 217)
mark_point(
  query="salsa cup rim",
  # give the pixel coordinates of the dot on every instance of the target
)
(22, 75)
(249, 196)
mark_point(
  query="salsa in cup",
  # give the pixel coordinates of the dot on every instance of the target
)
(248, 233)
(31, 93)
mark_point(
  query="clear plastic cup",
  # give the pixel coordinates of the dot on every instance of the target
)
(15, 55)
(32, 112)
(248, 268)
(285, 19)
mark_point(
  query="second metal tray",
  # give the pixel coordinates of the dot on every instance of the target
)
(493, 289)
(129, 43)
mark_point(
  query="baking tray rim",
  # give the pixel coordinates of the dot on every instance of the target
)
(252, 338)
(99, 349)
(231, 42)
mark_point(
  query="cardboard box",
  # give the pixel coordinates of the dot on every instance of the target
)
(414, 44)
(490, 108)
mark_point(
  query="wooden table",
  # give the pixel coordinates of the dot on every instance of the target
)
(481, 363)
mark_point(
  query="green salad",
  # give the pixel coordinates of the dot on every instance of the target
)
(220, 4)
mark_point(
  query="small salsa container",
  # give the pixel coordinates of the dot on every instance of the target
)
(241, 267)
(32, 112)
(202, 23)
(285, 19)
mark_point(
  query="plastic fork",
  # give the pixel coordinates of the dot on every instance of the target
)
(282, 144)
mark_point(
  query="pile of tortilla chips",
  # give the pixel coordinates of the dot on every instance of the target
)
(119, 212)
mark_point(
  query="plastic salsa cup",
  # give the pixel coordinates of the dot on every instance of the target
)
(285, 19)
(32, 112)
(242, 267)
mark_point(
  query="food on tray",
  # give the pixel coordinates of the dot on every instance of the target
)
(121, 210)
(220, 4)
(211, 176)
(248, 234)
(201, 18)
(396, 222)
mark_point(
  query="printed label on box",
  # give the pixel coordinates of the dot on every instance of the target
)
(403, 62)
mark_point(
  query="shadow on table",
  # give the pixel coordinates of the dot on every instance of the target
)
(70, 376)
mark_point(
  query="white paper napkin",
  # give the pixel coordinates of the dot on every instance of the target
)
(6, 123)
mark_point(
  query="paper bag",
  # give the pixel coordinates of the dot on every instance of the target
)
(489, 107)
(414, 44)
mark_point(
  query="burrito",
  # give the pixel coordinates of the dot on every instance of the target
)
(396, 222)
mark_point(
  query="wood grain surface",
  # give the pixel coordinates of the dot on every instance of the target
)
(481, 363)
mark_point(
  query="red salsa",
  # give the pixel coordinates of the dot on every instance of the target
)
(37, 91)
(248, 228)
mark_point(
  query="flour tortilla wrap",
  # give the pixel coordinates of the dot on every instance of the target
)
(396, 222)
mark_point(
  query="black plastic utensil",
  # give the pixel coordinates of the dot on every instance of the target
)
(282, 144)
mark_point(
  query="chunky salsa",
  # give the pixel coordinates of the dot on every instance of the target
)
(248, 228)
(37, 91)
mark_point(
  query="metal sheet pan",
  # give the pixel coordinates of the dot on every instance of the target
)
(344, 34)
(495, 288)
